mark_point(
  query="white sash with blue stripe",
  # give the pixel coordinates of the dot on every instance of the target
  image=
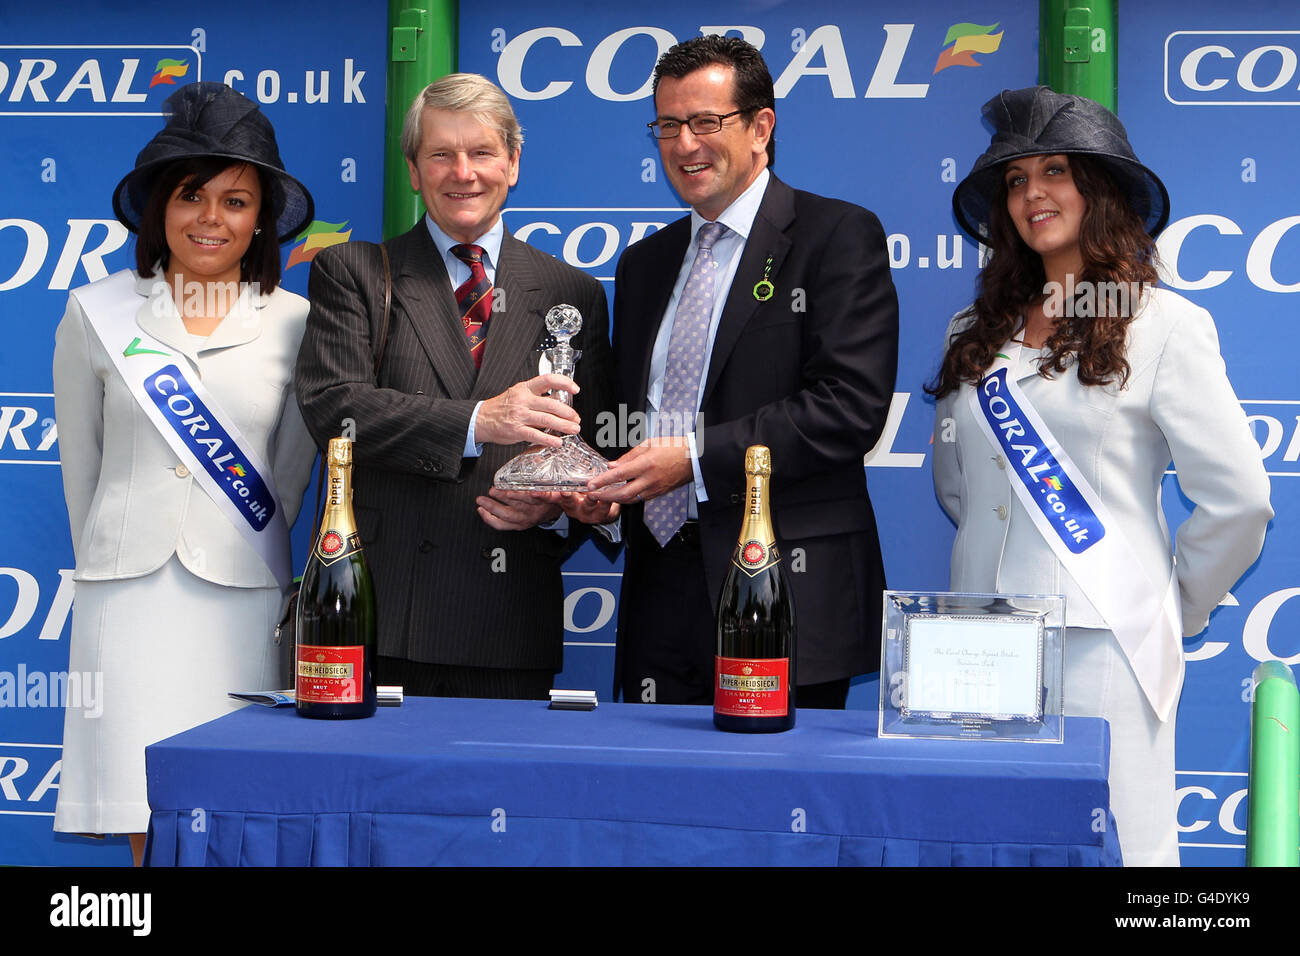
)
(191, 422)
(1082, 533)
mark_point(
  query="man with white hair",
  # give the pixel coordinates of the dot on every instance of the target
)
(467, 577)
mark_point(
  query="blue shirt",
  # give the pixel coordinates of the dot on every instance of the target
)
(459, 273)
(739, 220)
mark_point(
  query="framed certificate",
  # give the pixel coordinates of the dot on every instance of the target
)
(983, 666)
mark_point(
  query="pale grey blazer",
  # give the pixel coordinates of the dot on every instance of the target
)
(131, 504)
(1178, 404)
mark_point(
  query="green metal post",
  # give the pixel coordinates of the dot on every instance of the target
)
(1076, 50)
(422, 48)
(1273, 817)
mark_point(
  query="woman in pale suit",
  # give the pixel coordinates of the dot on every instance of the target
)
(175, 604)
(1070, 332)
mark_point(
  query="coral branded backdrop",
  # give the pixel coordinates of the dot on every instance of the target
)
(80, 91)
(1210, 95)
(874, 105)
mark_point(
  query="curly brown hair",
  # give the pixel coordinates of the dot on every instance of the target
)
(1116, 251)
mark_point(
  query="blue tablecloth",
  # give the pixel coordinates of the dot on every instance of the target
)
(480, 782)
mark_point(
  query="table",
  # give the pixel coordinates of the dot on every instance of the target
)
(479, 782)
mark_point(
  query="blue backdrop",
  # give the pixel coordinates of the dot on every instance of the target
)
(79, 97)
(870, 109)
(1209, 96)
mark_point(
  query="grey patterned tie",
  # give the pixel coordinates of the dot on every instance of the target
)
(686, 352)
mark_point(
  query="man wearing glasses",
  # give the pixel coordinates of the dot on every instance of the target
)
(768, 316)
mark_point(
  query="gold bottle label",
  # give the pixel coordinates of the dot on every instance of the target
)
(756, 550)
(338, 536)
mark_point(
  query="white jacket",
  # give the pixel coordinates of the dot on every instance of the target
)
(1177, 404)
(131, 502)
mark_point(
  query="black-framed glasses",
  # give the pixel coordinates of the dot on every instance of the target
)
(700, 124)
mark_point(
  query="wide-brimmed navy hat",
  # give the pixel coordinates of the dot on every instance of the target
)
(211, 119)
(1036, 121)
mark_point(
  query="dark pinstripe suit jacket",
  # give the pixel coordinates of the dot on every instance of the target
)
(450, 589)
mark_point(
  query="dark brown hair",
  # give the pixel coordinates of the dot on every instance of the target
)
(1115, 247)
(261, 263)
(752, 83)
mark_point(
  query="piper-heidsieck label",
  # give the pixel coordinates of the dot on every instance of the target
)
(335, 545)
(752, 687)
(754, 675)
(331, 675)
(753, 556)
(336, 633)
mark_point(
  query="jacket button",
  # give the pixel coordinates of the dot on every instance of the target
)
(182, 471)
(426, 465)
(1003, 511)
(735, 499)
(436, 466)
(1000, 461)
(426, 547)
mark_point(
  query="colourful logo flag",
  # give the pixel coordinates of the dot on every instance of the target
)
(319, 235)
(1053, 482)
(168, 72)
(967, 39)
(237, 469)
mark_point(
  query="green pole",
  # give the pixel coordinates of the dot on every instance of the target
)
(1273, 817)
(1076, 49)
(422, 48)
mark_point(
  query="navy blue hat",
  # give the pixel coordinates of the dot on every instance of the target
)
(1037, 121)
(211, 119)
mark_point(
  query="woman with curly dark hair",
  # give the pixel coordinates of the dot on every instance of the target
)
(1066, 389)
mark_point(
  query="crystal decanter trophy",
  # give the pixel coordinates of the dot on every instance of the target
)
(570, 466)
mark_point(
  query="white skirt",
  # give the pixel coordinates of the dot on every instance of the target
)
(169, 646)
(1143, 800)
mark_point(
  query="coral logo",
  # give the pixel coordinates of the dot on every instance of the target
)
(619, 67)
(27, 430)
(1275, 425)
(1212, 805)
(319, 235)
(84, 80)
(966, 40)
(169, 71)
(1233, 67)
(588, 237)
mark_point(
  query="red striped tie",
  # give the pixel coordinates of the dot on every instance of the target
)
(475, 300)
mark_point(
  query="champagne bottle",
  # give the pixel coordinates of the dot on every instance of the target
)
(335, 656)
(754, 677)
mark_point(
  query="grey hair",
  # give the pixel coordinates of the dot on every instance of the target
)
(463, 93)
